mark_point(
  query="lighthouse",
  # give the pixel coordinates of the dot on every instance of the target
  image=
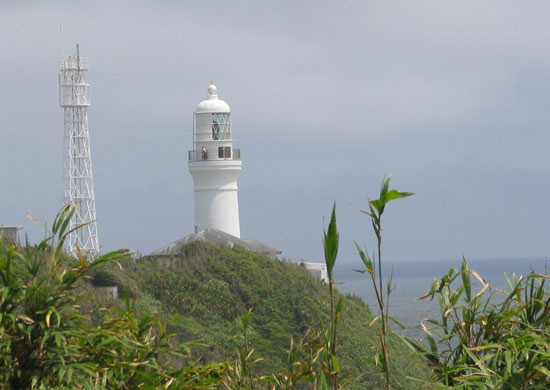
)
(215, 165)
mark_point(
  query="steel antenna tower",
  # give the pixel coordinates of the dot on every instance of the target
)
(78, 183)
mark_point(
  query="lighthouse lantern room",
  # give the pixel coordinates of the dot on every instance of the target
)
(215, 165)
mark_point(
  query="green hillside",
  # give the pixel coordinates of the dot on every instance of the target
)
(211, 287)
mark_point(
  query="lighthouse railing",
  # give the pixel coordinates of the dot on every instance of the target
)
(199, 155)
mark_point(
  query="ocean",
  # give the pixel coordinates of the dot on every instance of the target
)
(412, 279)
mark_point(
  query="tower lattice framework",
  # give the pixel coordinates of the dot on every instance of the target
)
(78, 183)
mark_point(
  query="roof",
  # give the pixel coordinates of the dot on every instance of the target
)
(215, 236)
(212, 103)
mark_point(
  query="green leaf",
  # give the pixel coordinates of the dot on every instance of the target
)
(365, 258)
(66, 220)
(378, 204)
(338, 311)
(60, 217)
(398, 323)
(244, 320)
(394, 194)
(335, 363)
(330, 243)
(380, 361)
(466, 280)
(384, 188)
(111, 256)
(431, 341)
(544, 371)
(373, 214)
(386, 195)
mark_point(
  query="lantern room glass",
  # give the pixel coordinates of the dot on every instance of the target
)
(221, 126)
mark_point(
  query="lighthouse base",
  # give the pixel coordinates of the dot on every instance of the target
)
(216, 195)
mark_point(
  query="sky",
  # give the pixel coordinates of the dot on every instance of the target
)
(327, 98)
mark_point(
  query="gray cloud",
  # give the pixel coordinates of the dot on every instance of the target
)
(326, 99)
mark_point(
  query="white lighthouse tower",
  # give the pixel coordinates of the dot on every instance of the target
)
(215, 166)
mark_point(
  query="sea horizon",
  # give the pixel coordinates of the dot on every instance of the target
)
(412, 279)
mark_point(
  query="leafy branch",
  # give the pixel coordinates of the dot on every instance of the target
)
(375, 211)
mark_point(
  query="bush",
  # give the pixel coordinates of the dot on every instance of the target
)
(45, 344)
(489, 340)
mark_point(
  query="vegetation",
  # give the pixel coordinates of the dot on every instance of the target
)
(211, 287)
(331, 240)
(376, 209)
(44, 343)
(260, 324)
(53, 335)
(489, 339)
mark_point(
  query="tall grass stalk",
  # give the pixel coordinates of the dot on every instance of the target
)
(375, 211)
(330, 244)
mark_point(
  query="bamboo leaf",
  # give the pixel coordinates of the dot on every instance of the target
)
(335, 363)
(48, 317)
(394, 194)
(25, 319)
(384, 188)
(330, 243)
(378, 204)
(365, 258)
(431, 341)
(398, 323)
(386, 195)
(80, 258)
(466, 282)
(338, 312)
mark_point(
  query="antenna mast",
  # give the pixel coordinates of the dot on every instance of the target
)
(78, 183)
(61, 41)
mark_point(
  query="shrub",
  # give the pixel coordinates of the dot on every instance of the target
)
(489, 339)
(44, 343)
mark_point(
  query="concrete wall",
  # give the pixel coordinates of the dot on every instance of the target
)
(9, 233)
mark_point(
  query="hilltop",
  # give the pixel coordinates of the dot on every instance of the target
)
(211, 286)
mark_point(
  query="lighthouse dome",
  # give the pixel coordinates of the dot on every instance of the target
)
(212, 103)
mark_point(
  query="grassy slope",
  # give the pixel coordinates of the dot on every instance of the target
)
(213, 286)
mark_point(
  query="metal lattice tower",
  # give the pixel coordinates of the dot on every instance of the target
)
(78, 183)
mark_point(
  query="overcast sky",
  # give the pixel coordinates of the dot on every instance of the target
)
(326, 99)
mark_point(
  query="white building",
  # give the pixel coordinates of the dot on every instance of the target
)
(215, 166)
(319, 270)
(9, 234)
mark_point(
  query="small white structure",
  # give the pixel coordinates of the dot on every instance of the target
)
(215, 166)
(109, 291)
(9, 233)
(319, 270)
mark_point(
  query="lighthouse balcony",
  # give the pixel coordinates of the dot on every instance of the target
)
(222, 153)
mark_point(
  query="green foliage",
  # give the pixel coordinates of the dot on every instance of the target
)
(331, 366)
(377, 206)
(45, 344)
(486, 339)
(330, 243)
(376, 209)
(54, 335)
(287, 304)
